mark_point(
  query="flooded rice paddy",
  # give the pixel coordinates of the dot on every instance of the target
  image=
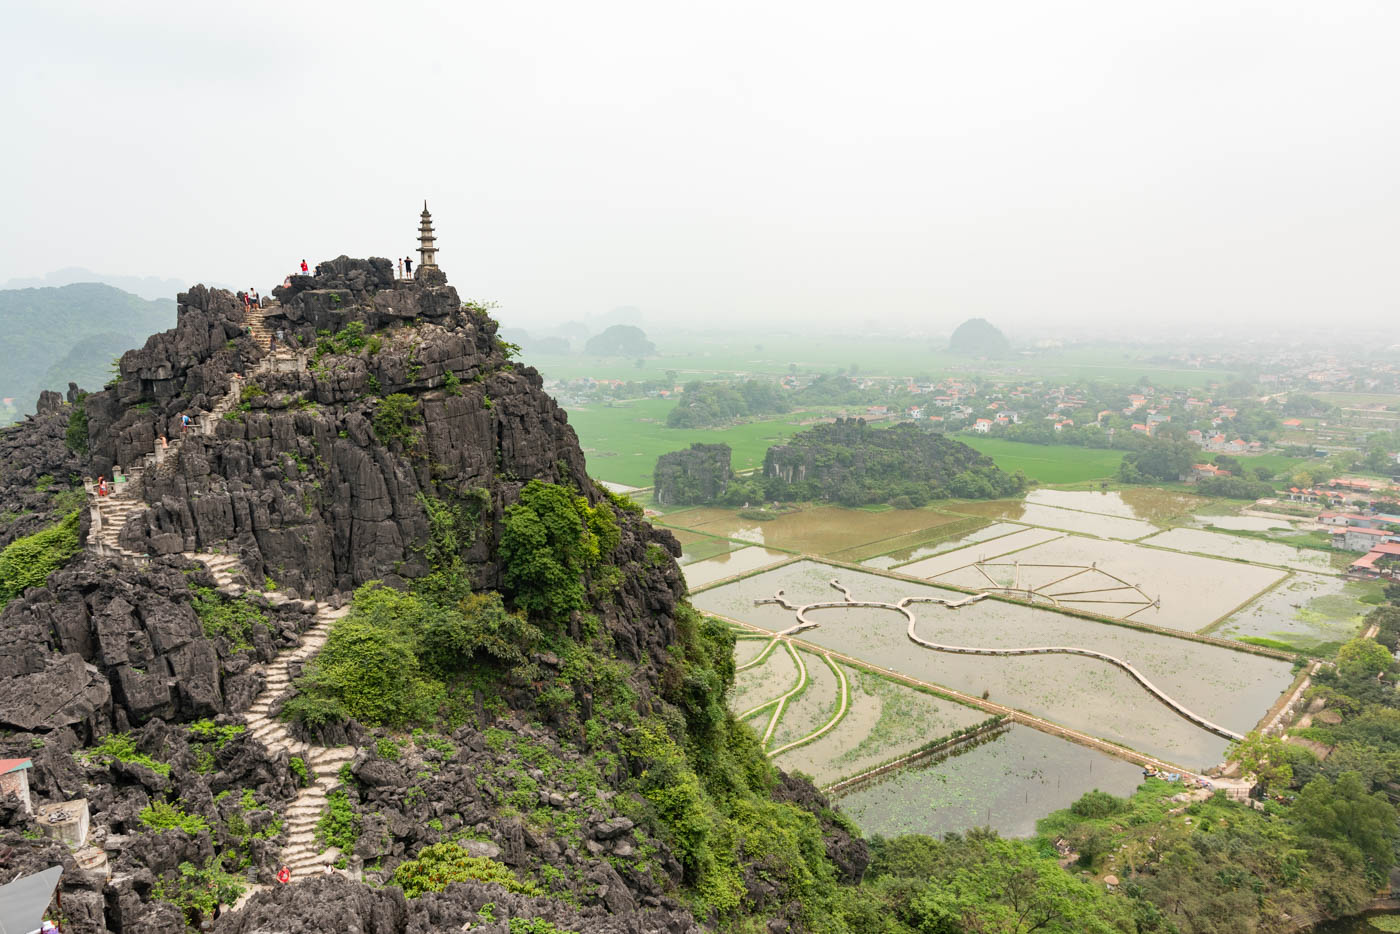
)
(982, 551)
(1304, 611)
(1231, 688)
(774, 678)
(1243, 549)
(817, 703)
(1007, 782)
(906, 555)
(820, 530)
(1194, 592)
(1146, 503)
(884, 720)
(1245, 523)
(1056, 517)
(697, 547)
(727, 565)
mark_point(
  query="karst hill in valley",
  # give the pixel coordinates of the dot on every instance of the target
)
(368, 611)
(855, 464)
(978, 337)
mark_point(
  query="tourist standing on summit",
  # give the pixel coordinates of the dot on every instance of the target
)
(400, 267)
(304, 268)
(408, 266)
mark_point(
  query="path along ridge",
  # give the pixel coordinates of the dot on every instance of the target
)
(108, 515)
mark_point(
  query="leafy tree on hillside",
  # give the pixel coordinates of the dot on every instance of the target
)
(705, 405)
(1164, 458)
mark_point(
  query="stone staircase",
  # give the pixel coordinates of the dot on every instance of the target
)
(300, 853)
(262, 331)
(108, 514)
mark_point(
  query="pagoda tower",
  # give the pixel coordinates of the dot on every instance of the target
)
(427, 252)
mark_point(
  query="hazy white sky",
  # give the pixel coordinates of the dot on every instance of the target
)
(745, 162)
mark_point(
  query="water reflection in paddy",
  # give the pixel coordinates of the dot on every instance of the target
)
(1147, 503)
(1193, 591)
(1244, 549)
(907, 555)
(728, 565)
(1055, 517)
(1007, 782)
(820, 530)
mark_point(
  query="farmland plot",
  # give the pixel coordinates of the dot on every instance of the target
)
(719, 567)
(762, 683)
(1194, 591)
(696, 547)
(817, 704)
(818, 530)
(987, 532)
(885, 720)
(1230, 688)
(1243, 549)
(1304, 612)
(1007, 782)
(747, 649)
(988, 550)
(1055, 517)
(1147, 503)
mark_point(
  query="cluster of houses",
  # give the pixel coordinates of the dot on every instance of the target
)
(1375, 533)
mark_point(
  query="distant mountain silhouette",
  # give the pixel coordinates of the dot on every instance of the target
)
(54, 335)
(979, 338)
(149, 287)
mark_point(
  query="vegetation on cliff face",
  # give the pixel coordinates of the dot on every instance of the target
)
(28, 561)
(851, 463)
(552, 541)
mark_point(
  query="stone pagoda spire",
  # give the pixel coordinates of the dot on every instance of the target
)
(427, 253)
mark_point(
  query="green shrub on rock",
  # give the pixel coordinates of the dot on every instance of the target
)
(441, 864)
(28, 561)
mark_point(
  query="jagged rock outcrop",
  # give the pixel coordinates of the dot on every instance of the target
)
(229, 784)
(336, 904)
(699, 474)
(107, 646)
(36, 470)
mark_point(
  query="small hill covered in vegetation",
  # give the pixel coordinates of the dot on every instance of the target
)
(978, 337)
(851, 463)
(700, 474)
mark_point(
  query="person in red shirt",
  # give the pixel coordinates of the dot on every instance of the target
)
(284, 875)
(304, 268)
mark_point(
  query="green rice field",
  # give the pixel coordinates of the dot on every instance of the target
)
(1048, 463)
(622, 441)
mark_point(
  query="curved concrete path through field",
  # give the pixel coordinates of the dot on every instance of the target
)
(903, 607)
